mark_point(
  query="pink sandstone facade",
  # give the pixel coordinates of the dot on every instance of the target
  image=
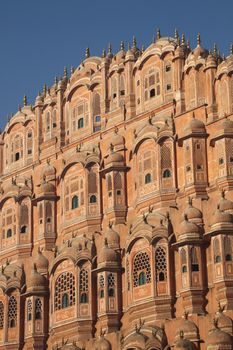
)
(117, 205)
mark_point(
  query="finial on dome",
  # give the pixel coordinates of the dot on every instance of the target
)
(19, 108)
(215, 50)
(176, 35)
(188, 44)
(186, 314)
(110, 48)
(129, 47)
(153, 39)
(198, 39)
(103, 53)
(87, 53)
(134, 42)
(122, 47)
(72, 70)
(55, 80)
(65, 72)
(45, 89)
(183, 39)
(143, 49)
(158, 34)
(25, 102)
(231, 49)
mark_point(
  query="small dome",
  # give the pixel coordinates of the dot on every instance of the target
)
(192, 212)
(187, 227)
(227, 125)
(102, 344)
(211, 61)
(129, 55)
(36, 281)
(48, 170)
(114, 157)
(195, 126)
(217, 337)
(225, 204)
(117, 140)
(200, 52)
(113, 238)
(47, 188)
(107, 254)
(183, 343)
(221, 217)
(224, 322)
(187, 328)
(41, 261)
(135, 339)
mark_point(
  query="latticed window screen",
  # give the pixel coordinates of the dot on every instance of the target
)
(109, 183)
(183, 257)
(117, 181)
(12, 312)
(166, 160)
(24, 214)
(65, 285)
(92, 182)
(161, 264)
(38, 309)
(101, 281)
(83, 281)
(229, 150)
(96, 105)
(1, 315)
(217, 252)
(127, 273)
(141, 264)
(228, 248)
(111, 285)
(29, 310)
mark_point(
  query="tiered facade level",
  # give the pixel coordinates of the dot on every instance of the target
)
(117, 205)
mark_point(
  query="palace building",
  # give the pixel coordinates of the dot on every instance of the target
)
(117, 205)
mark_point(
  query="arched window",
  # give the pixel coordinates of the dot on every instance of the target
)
(194, 260)
(161, 264)
(152, 84)
(54, 119)
(12, 312)
(141, 264)
(29, 310)
(93, 199)
(1, 315)
(101, 286)
(167, 173)
(48, 121)
(83, 286)
(217, 253)
(152, 93)
(142, 278)
(64, 291)
(148, 178)
(24, 229)
(9, 233)
(228, 248)
(75, 203)
(183, 261)
(109, 185)
(111, 285)
(80, 123)
(65, 301)
(96, 112)
(38, 309)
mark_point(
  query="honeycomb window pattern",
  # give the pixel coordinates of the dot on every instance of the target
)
(111, 280)
(141, 264)
(12, 312)
(101, 281)
(65, 284)
(38, 309)
(83, 281)
(1, 315)
(161, 264)
(29, 310)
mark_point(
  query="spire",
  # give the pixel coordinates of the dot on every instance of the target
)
(198, 39)
(176, 35)
(72, 70)
(122, 47)
(153, 39)
(87, 53)
(65, 72)
(45, 89)
(183, 39)
(134, 42)
(110, 48)
(188, 44)
(25, 102)
(143, 49)
(215, 50)
(158, 34)
(103, 53)
(231, 49)
(55, 81)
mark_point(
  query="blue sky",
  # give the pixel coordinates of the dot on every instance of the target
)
(38, 38)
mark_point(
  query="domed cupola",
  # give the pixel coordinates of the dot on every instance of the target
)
(37, 282)
(41, 262)
(120, 56)
(218, 339)
(221, 220)
(188, 230)
(107, 255)
(118, 142)
(113, 237)
(211, 61)
(193, 214)
(114, 158)
(183, 344)
(195, 127)
(47, 189)
(48, 172)
(129, 54)
(225, 205)
(102, 344)
(199, 52)
(224, 322)
(188, 329)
